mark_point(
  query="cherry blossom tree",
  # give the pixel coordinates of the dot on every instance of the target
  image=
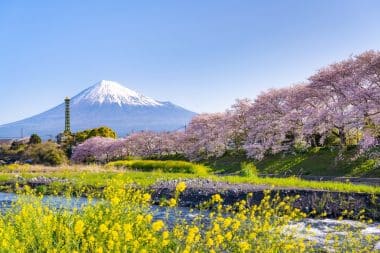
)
(267, 130)
(349, 93)
(99, 149)
(237, 124)
(206, 136)
(150, 144)
(339, 99)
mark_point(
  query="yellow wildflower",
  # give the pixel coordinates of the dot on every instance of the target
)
(146, 197)
(79, 227)
(181, 186)
(244, 246)
(216, 198)
(157, 225)
(103, 228)
(128, 236)
(172, 202)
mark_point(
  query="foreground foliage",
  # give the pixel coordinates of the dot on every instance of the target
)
(124, 222)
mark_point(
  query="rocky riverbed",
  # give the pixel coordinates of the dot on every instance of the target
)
(332, 204)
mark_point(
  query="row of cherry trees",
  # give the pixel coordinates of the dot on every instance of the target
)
(342, 100)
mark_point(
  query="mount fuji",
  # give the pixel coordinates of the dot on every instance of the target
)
(107, 103)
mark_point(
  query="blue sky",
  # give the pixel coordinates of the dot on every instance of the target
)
(201, 55)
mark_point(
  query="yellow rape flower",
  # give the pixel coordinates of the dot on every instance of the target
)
(172, 202)
(128, 236)
(216, 198)
(103, 228)
(148, 218)
(157, 225)
(146, 197)
(181, 186)
(79, 227)
(244, 246)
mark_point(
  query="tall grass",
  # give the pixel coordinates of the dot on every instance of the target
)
(248, 169)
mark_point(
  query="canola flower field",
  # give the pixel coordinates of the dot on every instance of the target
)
(123, 222)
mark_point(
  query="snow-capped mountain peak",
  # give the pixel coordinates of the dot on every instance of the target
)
(106, 103)
(110, 92)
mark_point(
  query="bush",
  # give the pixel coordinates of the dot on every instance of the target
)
(248, 169)
(34, 139)
(47, 153)
(165, 166)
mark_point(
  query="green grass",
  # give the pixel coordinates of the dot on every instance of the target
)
(165, 166)
(294, 182)
(314, 162)
(99, 179)
(226, 164)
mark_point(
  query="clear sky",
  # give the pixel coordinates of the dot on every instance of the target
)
(201, 55)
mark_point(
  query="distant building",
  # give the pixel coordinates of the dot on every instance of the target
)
(24, 140)
(6, 141)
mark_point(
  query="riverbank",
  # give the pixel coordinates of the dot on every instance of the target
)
(316, 198)
(315, 202)
(93, 175)
(320, 203)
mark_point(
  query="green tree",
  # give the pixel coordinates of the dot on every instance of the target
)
(89, 133)
(34, 139)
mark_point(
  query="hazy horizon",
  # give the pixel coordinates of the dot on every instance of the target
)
(201, 56)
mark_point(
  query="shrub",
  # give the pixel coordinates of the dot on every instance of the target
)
(17, 145)
(34, 139)
(165, 166)
(248, 169)
(47, 153)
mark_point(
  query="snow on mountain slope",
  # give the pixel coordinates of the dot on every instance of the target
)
(112, 92)
(106, 103)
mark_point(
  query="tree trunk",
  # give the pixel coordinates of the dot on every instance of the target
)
(342, 137)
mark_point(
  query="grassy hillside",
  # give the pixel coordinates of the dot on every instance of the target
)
(316, 162)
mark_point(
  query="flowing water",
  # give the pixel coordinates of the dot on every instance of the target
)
(311, 229)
